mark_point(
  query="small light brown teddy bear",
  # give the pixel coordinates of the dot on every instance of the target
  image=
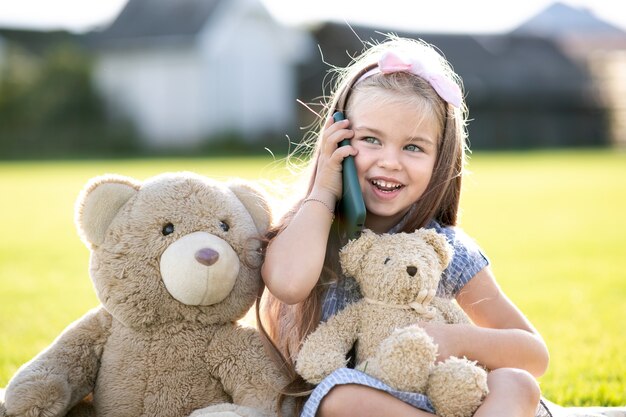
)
(398, 275)
(175, 263)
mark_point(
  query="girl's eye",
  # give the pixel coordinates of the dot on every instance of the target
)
(168, 229)
(413, 148)
(224, 226)
(371, 140)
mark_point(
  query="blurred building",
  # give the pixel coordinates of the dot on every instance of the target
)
(3, 56)
(188, 70)
(597, 46)
(2, 49)
(530, 88)
(522, 91)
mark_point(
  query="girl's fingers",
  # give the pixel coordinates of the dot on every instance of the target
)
(343, 151)
(335, 133)
(332, 155)
(329, 122)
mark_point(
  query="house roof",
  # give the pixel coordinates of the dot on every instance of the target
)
(560, 19)
(507, 67)
(155, 18)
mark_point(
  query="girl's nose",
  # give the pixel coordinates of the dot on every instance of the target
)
(389, 160)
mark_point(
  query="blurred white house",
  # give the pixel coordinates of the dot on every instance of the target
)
(186, 70)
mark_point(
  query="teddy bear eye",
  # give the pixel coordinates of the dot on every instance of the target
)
(168, 229)
(224, 226)
(387, 260)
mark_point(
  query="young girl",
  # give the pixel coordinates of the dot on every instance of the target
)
(406, 118)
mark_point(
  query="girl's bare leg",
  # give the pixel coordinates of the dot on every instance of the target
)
(512, 393)
(360, 401)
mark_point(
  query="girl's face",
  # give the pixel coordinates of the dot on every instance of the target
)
(397, 150)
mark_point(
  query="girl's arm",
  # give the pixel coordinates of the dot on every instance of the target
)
(295, 257)
(501, 337)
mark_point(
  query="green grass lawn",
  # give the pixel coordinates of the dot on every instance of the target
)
(552, 224)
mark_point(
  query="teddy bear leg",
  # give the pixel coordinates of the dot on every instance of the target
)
(403, 360)
(457, 387)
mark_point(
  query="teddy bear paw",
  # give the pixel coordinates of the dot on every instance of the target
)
(38, 397)
(457, 387)
(314, 363)
(404, 359)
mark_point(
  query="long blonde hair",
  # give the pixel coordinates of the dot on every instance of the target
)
(288, 325)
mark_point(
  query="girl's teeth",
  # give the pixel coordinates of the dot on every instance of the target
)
(386, 186)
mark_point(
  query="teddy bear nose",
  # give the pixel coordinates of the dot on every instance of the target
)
(207, 256)
(411, 270)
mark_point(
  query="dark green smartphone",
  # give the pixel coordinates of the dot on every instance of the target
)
(351, 208)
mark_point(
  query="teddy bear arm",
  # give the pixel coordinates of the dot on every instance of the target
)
(64, 373)
(325, 349)
(451, 311)
(246, 371)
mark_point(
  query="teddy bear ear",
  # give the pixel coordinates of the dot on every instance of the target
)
(255, 201)
(440, 245)
(352, 253)
(98, 204)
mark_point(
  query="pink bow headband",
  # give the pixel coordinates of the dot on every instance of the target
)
(425, 66)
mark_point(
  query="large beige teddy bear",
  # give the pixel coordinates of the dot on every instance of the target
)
(398, 275)
(175, 263)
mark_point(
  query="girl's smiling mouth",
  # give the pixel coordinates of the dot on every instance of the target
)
(386, 186)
